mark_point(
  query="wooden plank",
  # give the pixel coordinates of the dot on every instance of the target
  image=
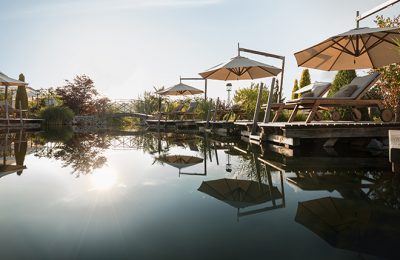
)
(305, 163)
(276, 165)
(394, 146)
(245, 133)
(353, 132)
(287, 152)
(283, 140)
(255, 137)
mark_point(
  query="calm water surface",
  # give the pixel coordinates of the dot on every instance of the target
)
(154, 196)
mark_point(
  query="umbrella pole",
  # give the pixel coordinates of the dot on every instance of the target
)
(257, 110)
(6, 104)
(270, 55)
(205, 89)
(205, 153)
(374, 11)
(281, 85)
(269, 104)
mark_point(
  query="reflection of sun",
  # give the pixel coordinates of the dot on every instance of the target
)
(103, 180)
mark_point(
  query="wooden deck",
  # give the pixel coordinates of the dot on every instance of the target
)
(222, 127)
(16, 123)
(291, 134)
(155, 124)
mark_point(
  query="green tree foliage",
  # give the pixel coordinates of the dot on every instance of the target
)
(83, 152)
(295, 88)
(248, 98)
(305, 78)
(57, 115)
(21, 99)
(80, 95)
(389, 83)
(342, 78)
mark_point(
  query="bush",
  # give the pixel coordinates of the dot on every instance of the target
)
(57, 134)
(57, 115)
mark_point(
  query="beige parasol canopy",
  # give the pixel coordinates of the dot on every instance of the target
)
(361, 48)
(240, 68)
(180, 90)
(7, 81)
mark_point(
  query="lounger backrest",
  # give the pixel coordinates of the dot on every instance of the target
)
(320, 88)
(363, 84)
(192, 107)
(177, 109)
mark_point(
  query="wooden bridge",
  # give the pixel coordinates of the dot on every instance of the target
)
(125, 108)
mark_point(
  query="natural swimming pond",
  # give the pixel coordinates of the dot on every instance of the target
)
(145, 195)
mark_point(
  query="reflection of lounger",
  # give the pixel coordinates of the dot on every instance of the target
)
(348, 96)
(316, 89)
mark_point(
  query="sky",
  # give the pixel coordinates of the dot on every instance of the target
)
(130, 46)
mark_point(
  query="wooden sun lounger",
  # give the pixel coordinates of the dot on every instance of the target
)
(221, 110)
(354, 102)
(290, 105)
(173, 113)
(190, 112)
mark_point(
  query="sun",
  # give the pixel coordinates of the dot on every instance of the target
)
(103, 180)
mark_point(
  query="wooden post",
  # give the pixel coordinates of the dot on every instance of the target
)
(257, 110)
(216, 110)
(269, 104)
(6, 104)
(205, 89)
(216, 154)
(205, 153)
(208, 114)
(394, 149)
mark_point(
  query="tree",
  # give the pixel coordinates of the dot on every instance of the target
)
(389, 83)
(79, 95)
(342, 78)
(248, 98)
(305, 78)
(21, 98)
(295, 88)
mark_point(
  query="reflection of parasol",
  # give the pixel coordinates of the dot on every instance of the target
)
(240, 193)
(180, 161)
(352, 225)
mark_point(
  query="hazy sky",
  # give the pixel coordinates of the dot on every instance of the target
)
(129, 46)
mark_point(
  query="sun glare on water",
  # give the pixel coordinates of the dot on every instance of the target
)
(103, 180)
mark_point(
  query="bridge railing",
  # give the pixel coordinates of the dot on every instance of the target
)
(123, 106)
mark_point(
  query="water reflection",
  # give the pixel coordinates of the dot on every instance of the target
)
(14, 147)
(241, 194)
(314, 198)
(180, 162)
(351, 224)
(83, 152)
